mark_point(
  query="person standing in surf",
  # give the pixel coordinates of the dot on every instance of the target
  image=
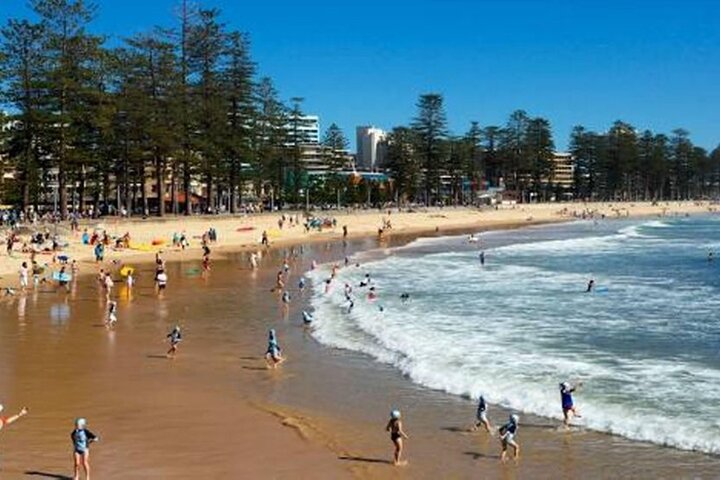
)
(568, 404)
(590, 285)
(481, 417)
(397, 435)
(507, 438)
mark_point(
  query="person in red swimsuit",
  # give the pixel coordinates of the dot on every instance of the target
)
(12, 419)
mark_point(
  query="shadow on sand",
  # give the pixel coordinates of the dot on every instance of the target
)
(479, 455)
(365, 460)
(47, 475)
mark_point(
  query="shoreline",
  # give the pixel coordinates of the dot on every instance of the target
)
(285, 423)
(242, 233)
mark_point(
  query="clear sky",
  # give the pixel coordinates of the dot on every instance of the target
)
(655, 64)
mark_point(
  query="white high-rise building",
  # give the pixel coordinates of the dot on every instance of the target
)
(370, 147)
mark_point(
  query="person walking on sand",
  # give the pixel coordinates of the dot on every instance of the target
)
(507, 438)
(109, 284)
(273, 355)
(23, 276)
(5, 421)
(174, 338)
(397, 435)
(81, 439)
(112, 315)
(161, 280)
(568, 404)
(481, 417)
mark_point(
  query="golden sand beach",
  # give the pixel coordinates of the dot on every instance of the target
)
(216, 411)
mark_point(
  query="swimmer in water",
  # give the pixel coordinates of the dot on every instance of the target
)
(397, 435)
(590, 286)
(273, 355)
(301, 284)
(405, 297)
(481, 416)
(365, 282)
(482, 258)
(174, 337)
(81, 439)
(507, 438)
(568, 405)
(307, 318)
(711, 257)
(372, 296)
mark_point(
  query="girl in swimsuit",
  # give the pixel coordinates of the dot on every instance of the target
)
(397, 435)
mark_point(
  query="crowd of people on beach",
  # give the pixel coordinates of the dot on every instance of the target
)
(61, 274)
(366, 290)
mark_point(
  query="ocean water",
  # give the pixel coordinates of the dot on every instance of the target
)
(646, 344)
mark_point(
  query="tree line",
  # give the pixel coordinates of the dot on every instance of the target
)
(93, 123)
(430, 164)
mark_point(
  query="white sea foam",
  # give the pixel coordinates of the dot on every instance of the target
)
(512, 331)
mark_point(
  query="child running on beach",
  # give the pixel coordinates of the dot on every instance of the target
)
(5, 421)
(81, 439)
(507, 438)
(174, 337)
(481, 416)
(273, 355)
(568, 404)
(112, 315)
(397, 435)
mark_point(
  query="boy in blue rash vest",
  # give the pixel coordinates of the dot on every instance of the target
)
(507, 438)
(81, 439)
(174, 337)
(568, 405)
(273, 355)
(481, 416)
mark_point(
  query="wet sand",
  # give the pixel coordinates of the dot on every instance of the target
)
(217, 412)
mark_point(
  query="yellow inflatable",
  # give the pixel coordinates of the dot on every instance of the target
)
(143, 247)
(126, 270)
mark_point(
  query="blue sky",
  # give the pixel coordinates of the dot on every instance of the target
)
(654, 64)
